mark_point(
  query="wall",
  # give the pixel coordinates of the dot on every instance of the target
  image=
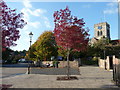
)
(73, 64)
(119, 61)
(101, 63)
(115, 60)
(106, 63)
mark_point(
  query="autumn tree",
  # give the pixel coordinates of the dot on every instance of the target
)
(46, 46)
(69, 32)
(11, 22)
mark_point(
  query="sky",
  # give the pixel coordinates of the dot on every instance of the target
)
(39, 17)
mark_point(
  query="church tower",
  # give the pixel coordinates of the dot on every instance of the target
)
(102, 30)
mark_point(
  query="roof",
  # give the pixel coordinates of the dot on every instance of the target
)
(117, 41)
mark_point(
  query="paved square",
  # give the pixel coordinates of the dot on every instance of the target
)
(91, 77)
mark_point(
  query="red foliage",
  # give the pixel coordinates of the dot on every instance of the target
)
(69, 32)
(10, 22)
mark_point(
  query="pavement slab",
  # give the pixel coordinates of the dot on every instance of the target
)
(91, 77)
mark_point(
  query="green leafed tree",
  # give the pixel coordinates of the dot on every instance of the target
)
(101, 47)
(101, 43)
(30, 55)
(45, 46)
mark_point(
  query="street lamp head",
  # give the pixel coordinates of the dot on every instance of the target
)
(30, 34)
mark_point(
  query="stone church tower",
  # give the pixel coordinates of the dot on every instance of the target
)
(102, 30)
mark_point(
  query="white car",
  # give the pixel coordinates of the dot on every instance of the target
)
(22, 60)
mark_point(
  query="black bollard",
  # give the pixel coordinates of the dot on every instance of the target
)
(28, 69)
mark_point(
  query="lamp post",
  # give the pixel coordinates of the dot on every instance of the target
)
(30, 35)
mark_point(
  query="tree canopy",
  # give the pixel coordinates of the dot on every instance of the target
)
(69, 31)
(101, 44)
(44, 47)
(10, 23)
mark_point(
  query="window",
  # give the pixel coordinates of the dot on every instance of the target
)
(99, 27)
(98, 33)
(101, 33)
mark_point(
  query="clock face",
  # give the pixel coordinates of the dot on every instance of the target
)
(99, 27)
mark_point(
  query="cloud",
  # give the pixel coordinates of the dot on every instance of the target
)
(35, 19)
(110, 4)
(26, 14)
(110, 11)
(34, 12)
(111, 8)
(37, 12)
(27, 4)
(29, 11)
(47, 23)
(35, 24)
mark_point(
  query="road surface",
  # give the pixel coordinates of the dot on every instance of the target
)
(10, 70)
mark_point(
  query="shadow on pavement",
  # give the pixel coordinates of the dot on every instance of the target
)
(111, 87)
(12, 75)
(93, 78)
(84, 65)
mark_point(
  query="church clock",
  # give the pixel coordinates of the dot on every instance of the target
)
(99, 27)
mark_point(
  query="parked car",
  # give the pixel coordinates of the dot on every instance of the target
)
(30, 61)
(21, 60)
(59, 58)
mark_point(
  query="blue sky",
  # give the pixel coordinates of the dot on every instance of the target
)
(39, 16)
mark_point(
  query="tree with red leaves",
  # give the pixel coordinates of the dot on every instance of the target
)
(69, 32)
(10, 22)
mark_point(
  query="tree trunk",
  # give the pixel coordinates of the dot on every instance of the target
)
(68, 66)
